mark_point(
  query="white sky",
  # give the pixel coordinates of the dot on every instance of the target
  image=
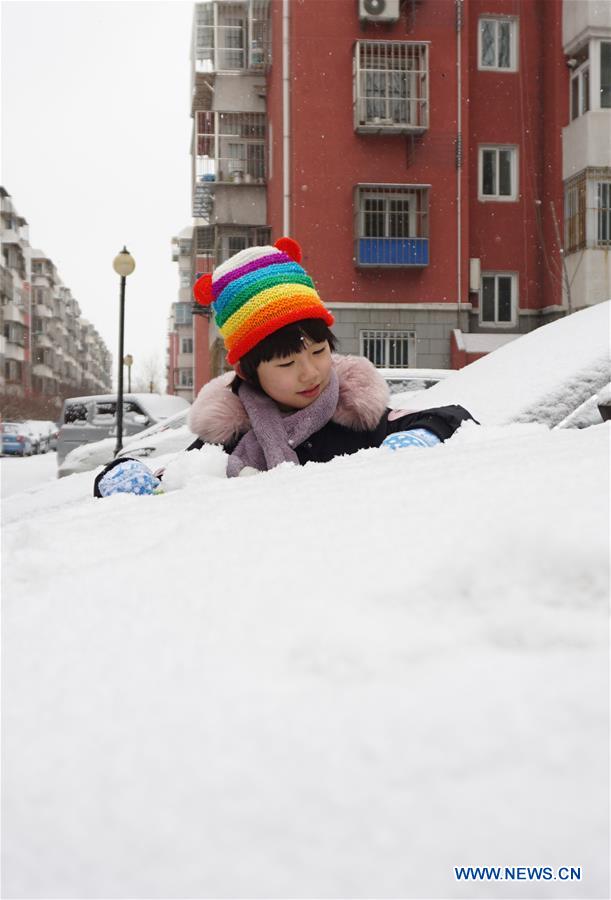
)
(95, 150)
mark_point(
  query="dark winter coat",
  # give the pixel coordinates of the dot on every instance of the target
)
(362, 418)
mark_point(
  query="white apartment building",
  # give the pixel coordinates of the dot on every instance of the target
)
(586, 146)
(46, 348)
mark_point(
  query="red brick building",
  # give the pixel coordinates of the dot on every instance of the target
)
(412, 147)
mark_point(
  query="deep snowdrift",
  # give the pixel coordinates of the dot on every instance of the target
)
(335, 681)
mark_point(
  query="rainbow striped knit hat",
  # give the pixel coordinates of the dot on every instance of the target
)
(258, 291)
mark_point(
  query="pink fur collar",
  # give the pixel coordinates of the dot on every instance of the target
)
(218, 416)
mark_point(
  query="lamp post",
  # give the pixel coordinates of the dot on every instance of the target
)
(124, 265)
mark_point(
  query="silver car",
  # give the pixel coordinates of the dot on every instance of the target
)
(89, 419)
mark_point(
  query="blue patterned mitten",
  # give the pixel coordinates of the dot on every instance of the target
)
(130, 476)
(416, 437)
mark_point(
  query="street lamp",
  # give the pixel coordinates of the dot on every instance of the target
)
(124, 265)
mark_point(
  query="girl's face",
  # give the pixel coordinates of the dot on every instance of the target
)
(296, 381)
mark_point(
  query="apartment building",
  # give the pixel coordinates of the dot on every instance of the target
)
(413, 148)
(15, 299)
(47, 348)
(179, 368)
(586, 143)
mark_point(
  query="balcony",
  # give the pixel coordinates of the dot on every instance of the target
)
(391, 225)
(42, 371)
(42, 340)
(231, 36)
(215, 244)
(13, 313)
(230, 148)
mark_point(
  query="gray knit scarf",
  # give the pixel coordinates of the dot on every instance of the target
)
(272, 436)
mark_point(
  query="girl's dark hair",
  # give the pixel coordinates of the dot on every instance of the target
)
(282, 343)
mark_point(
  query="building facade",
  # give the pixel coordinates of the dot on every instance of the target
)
(47, 348)
(415, 151)
(586, 140)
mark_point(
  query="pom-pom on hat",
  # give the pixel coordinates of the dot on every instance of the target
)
(258, 291)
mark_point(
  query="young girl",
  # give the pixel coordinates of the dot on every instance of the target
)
(290, 398)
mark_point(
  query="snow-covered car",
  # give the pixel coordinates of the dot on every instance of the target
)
(169, 436)
(544, 376)
(42, 431)
(89, 419)
(16, 439)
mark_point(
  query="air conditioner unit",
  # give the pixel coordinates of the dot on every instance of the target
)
(379, 10)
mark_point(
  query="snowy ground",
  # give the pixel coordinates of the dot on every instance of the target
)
(17, 474)
(335, 681)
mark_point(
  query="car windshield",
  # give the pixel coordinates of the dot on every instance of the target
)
(8, 428)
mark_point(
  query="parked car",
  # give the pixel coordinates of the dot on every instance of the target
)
(41, 431)
(523, 381)
(89, 419)
(16, 439)
(169, 436)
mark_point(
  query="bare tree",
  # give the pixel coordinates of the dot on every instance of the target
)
(148, 377)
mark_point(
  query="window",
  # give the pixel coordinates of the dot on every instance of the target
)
(185, 377)
(187, 345)
(391, 86)
(605, 74)
(392, 225)
(603, 210)
(580, 83)
(498, 178)
(185, 279)
(13, 370)
(182, 313)
(498, 44)
(389, 349)
(14, 333)
(497, 301)
(587, 210)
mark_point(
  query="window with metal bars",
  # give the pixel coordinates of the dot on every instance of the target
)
(390, 86)
(230, 147)
(587, 210)
(391, 225)
(575, 214)
(389, 349)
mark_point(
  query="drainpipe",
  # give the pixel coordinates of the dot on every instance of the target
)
(286, 122)
(459, 12)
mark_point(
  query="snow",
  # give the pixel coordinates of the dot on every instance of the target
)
(21, 473)
(339, 680)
